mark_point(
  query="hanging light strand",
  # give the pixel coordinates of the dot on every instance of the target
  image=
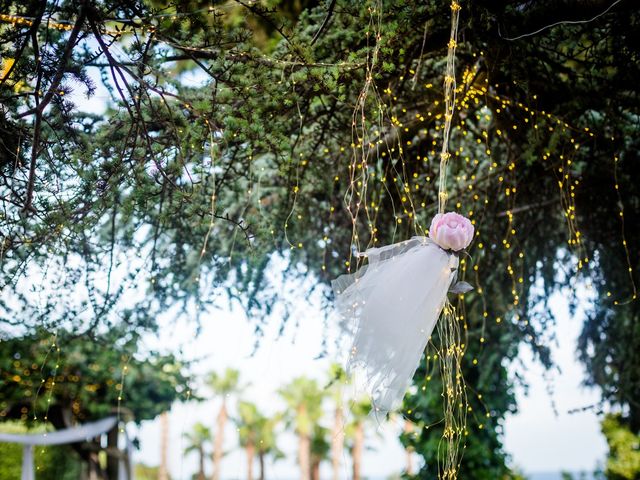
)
(449, 104)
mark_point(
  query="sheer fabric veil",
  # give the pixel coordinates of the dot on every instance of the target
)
(388, 310)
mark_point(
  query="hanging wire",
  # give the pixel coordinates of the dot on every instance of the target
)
(449, 104)
(454, 397)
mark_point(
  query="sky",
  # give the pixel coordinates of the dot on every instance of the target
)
(539, 438)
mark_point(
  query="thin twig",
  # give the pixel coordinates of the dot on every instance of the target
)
(562, 22)
(55, 83)
(325, 22)
(38, 110)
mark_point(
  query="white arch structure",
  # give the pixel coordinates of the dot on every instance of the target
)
(61, 437)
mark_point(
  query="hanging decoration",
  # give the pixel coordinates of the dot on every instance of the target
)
(391, 306)
(394, 302)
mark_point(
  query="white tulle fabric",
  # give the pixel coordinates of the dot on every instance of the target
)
(389, 309)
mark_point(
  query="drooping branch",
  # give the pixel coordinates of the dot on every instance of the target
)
(39, 108)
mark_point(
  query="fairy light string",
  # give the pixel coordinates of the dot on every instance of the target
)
(363, 143)
(455, 404)
(634, 294)
(449, 104)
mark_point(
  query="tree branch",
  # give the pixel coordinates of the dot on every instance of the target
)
(55, 83)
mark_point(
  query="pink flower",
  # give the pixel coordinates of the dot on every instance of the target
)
(451, 231)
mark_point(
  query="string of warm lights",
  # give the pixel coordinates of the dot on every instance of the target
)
(50, 382)
(449, 104)
(20, 21)
(634, 294)
(452, 348)
(120, 386)
(363, 143)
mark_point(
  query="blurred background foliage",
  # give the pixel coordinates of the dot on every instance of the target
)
(50, 462)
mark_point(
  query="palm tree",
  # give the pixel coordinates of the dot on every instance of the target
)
(408, 430)
(248, 426)
(257, 436)
(355, 432)
(267, 444)
(163, 471)
(198, 439)
(320, 448)
(304, 402)
(337, 381)
(222, 385)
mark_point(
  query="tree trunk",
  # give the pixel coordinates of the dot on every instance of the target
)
(94, 466)
(304, 455)
(356, 451)
(163, 470)
(337, 441)
(112, 448)
(315, 470)
(219, 440)
(201, 463)
(251, 452)
(408, 428)
(409, 467)
(261, 460)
